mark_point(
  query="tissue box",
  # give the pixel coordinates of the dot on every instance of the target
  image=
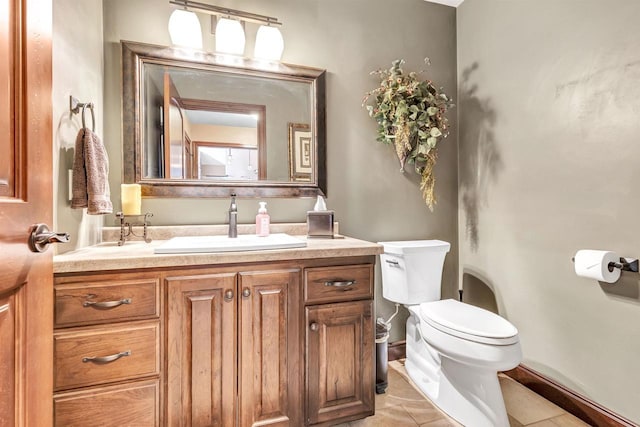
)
(320, 224)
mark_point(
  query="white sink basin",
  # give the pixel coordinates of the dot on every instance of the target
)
(244, 242)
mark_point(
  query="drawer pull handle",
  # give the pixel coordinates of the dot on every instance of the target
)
(106, 359)
(228, 295)
(106, 304)
(314, 327)
(392, 262)
(246, 293)
(340, 283)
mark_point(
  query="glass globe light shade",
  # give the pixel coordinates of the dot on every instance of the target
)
(269, 43)
(229, 36)
(184, 29)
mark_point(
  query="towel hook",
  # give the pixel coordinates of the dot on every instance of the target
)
(75, 105)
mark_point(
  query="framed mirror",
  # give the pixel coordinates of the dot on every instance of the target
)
(198, 124)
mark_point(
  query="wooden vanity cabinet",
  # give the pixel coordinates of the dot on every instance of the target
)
(339, 343)
(262, 344)
(234, 348)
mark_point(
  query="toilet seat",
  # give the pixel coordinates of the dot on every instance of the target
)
(468, 322)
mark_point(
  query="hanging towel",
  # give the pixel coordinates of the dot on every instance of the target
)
(90, 183)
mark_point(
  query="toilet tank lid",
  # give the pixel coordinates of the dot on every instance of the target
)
(413, 246)
(467, 319)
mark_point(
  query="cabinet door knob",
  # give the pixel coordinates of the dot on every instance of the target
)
(314, 326)
(228, 295)
(246, 292)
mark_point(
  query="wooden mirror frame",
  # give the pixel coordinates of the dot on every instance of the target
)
(134, 55)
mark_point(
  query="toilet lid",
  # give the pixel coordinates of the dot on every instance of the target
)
(415, 246)
(468, 322)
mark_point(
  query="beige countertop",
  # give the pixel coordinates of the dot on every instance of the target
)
(137, 254)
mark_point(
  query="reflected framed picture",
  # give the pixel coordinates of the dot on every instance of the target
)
(300, 152)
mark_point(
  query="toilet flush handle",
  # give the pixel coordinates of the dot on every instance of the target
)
(392, 262)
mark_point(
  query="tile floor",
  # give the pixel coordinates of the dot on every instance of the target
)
(404, 405)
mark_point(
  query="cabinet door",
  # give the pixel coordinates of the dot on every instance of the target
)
(201, 350)
(340, 361)
(270, 369)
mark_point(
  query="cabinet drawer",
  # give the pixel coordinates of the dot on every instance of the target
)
(134, 404)
(332, 284)
(122, 353)
(96, 302)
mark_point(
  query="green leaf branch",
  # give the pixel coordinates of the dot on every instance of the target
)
(410, 114)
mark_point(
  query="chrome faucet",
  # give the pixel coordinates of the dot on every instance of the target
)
(233, 217)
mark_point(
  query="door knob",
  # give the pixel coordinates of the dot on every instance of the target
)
(41, 237)
(246, 292)
(314, 327)
(228, 295)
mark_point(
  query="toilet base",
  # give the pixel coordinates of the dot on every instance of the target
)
(470, 397)
(469, 394)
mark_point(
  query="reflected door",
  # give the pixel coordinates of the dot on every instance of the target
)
(174, 158)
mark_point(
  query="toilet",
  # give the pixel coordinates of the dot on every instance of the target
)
(454, 350)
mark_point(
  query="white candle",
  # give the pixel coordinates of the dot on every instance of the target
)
(131, 197)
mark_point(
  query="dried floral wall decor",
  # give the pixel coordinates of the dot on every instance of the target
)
(411, 115)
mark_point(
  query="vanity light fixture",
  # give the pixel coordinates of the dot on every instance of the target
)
(184, 29)
(230, 37)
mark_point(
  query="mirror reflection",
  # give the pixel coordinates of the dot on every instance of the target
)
(215, 162)
(217, 125)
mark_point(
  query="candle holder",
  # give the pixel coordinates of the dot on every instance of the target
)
(126, 227)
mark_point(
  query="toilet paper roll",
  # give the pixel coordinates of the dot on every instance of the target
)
(595, 265)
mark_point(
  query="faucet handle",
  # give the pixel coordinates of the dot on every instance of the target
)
(233, 206)
(233, 217)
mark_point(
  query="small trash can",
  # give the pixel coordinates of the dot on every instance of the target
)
(382, 356)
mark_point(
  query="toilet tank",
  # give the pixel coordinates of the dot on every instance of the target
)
(412, 270)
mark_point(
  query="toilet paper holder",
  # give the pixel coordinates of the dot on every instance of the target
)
(625, 264)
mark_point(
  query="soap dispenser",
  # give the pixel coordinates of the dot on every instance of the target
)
(262, 221)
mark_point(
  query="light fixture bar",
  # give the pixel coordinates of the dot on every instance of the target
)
(223, 11)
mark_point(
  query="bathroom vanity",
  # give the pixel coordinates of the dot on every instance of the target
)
(274, 337)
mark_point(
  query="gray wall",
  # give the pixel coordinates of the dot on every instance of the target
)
(77, 70)
(549, 107)
(372, 200)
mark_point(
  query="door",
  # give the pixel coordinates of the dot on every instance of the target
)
(269, 348)
(174, 158)
(201, 350)
(26, 278)
(340, 361)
